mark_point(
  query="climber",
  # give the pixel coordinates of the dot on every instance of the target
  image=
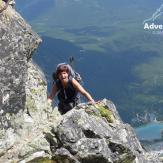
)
(67, 88)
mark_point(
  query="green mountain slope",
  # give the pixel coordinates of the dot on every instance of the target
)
(126, 59)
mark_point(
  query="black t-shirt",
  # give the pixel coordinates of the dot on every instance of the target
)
(67, 94)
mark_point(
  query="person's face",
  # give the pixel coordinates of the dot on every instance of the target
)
(63, 76)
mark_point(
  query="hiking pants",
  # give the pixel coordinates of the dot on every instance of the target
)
(65, 107)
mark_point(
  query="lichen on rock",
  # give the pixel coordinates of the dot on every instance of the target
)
(85, 137)
(105, 112)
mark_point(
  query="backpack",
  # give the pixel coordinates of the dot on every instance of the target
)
(73, 73)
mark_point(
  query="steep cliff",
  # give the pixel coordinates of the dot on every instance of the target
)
(22, 90)
(32, 131)
(17, 42)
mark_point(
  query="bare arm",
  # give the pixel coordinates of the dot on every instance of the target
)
(53, 92)
(78, 87)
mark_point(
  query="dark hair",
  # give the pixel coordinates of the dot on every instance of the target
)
(62, 68)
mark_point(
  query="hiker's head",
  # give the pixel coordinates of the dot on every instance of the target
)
(62, 71)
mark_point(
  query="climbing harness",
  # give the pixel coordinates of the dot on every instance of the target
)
(5, 7)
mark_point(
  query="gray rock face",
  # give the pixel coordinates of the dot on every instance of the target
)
(84, 135)
(26, 139)
(24, 112)
(17, 42)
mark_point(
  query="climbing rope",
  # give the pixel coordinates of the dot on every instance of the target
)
(5, 7)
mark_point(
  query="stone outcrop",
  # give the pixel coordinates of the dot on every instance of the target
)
(17, 42)
(32, 131)
(23, 92)
(95, 133)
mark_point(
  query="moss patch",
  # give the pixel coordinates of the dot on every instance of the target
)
(105, 112)
(42, 160)
(100, 110)
(30, 104)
